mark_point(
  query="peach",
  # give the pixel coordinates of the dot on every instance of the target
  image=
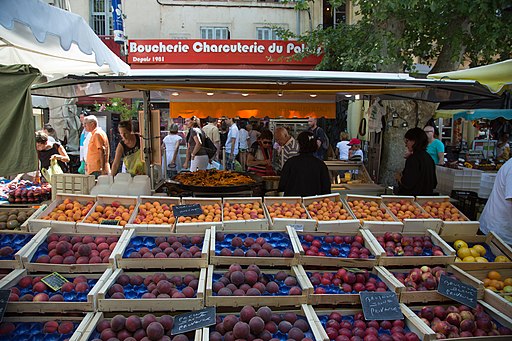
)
(41, 297)
(50, 327)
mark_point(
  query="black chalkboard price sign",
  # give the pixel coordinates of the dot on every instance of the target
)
(457, 291)
(110, 222)
(187, 210)
(194, 320)
(54, 281)
(4, 298)
(380, 306)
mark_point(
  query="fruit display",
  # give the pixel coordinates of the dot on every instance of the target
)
(11, 243)
(164, 247)
(154, 213)
(211, 213)
(25, 192)
(498, 283)
(473, 252)
(213, 178)
(13, 218)
(443, 210)
(287, 210)
(327, 209)
(369, 210)
(242, 211)
(113, 211)
(396, 244)
(133, 327)
(263, 244)
(69, 210)
(75, 249)
(340, 327)
(406, 209)
(461, 322)
(261, 324)
(49, 330)
(335, 246)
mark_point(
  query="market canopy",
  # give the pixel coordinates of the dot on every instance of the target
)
(489, 114)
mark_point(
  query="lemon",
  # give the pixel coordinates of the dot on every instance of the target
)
(469, 259)
(507, 289)
(459, 244)
(502, 259)
(481, 260)
(457, 259)
(474, 252)
(463, 252)
(481, 250)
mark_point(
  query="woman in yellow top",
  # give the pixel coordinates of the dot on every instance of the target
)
(128, 150)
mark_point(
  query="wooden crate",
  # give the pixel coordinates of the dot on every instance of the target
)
(103, 200)
(78, 333)
(36, 223)
(412, 321)
(106, 304)
(198, 227)
(19, 237)
(281, 223)
(432, 295)
(375, 226)
(29, 264)
(369, 242)
(488, 309)
(452, 228)
(495, 299)
(492, 242)
(261, 261)
(117, 258)
(350, 225)
(90, 332)
(24, 225)
(14, 277)
(414, 225)
(144, 227)
(448, 258)
(244, 225)
(306, 311)
(72, 184)
(348, 298)
(258, 301)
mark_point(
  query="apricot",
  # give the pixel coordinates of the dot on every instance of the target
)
(369, 211)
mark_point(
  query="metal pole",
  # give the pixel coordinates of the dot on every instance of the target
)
(147, 132)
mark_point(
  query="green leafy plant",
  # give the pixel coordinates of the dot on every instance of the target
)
(118, 105)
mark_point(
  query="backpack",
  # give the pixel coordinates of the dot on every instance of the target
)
(209, 147)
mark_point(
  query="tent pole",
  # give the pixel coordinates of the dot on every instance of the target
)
(147, 132)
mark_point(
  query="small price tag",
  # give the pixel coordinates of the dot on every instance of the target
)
(54, 280)
(457, 291)
(110, 222)
(194, 320)
(4, 299)
(297, 227)
(380, 306)
(187, 210)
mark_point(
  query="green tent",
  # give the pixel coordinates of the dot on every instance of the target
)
(18, 152)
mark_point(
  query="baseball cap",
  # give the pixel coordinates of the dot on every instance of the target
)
(354, 141)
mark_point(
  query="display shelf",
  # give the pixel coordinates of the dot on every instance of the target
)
(348, 225)
(145, 227)
(276, 223)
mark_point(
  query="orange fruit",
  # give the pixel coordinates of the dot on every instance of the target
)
(494, 275)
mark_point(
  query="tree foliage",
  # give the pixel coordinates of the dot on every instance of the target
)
(392, 34)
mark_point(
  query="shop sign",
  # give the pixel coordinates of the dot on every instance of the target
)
(166, 51)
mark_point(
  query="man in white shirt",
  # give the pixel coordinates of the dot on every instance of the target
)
(243, 147)
(497, 214)
(231, 144)
(212, 132)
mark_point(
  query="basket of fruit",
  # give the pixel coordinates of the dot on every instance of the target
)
(63, 213)
(235, 287)
(373, 214)
(331, 214)
(420, 284)
(69, 252)
(125, 327)
(402, 249)
(480, 252)
(347, 324)
(412, 215)
(154, 214)
(212, 216)
(332, 249)
(150, 292)
(29, 293)
(454, 221)
(243, 214)
(270, 248)
(343, 285)
(161, 250)
(285, 211)
(264, 324)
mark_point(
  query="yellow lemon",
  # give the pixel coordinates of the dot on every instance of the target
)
(507, 289)
(507, 281)
(459, 244)
(481, 250)
(457, 259)
(502, 259)
(481, 260)
(463, 252)
(474, 252)
(469, 259)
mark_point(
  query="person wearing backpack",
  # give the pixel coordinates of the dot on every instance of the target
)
(321, 138)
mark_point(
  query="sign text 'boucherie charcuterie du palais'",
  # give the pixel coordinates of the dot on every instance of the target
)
(164, 51)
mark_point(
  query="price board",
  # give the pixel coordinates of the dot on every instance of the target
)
(194, 320)
(380, 306)
(54, 280)
(457, 291)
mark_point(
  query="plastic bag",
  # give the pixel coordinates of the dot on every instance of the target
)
(52, 170)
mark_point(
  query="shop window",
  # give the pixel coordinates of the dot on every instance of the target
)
(208, 32)
(101, 17)
(267, 33)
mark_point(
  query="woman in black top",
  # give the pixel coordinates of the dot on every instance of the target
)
(128, 151)
(419, 174)
(304, 174)
(47, 151)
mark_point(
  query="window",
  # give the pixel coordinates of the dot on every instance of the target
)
(101, 17)
(267, 33)
(208, 32)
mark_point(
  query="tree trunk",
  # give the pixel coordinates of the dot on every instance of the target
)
(450, 57)
(396, 27)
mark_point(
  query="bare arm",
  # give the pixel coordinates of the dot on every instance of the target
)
(103, 160)
(117, 159)
(233, 141)
(62, 156)
(440, 155)
(176, 151)
(197, 147)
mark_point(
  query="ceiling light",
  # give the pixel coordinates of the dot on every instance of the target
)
(312, 95)
(209, 93)
(348, 95)
(245, 94)
(175, 93)
(280, 93)
(357, 97)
